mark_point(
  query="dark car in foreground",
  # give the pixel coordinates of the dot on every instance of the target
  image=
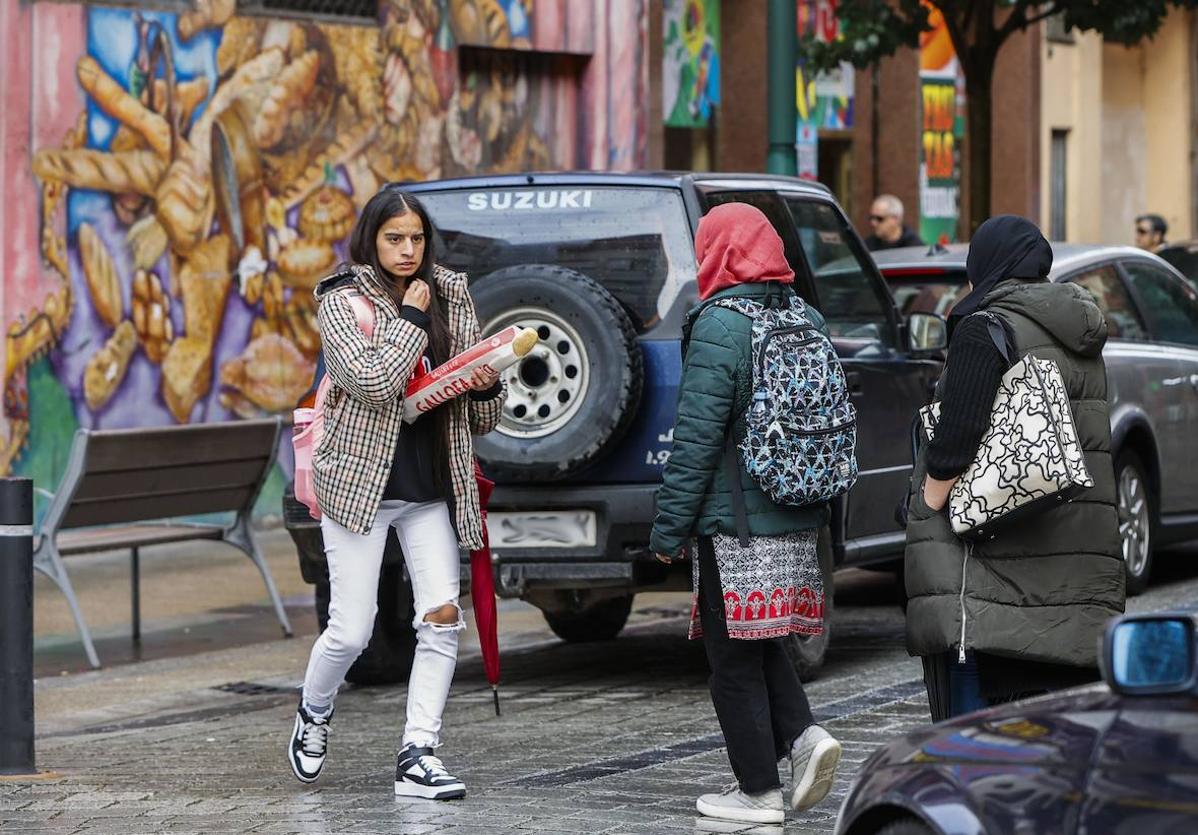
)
(1152, 374)
(1119, 758)
(603, 266)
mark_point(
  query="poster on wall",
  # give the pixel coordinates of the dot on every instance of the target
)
(807, 152)
(824, 100)
(941, 129)
(691, 63)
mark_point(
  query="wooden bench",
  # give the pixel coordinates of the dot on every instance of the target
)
(136, 482)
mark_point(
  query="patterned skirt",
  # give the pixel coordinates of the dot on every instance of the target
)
(772, 589)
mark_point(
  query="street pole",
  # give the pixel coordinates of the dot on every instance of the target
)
(782, 38)
(16, 626)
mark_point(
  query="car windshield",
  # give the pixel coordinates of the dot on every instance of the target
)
(930, 291)
(636, 242)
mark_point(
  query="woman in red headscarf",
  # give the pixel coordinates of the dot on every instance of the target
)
(758, 698)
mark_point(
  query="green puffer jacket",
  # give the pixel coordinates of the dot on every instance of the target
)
(1044, 590)
(717, 383)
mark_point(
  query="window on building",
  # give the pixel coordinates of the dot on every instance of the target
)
(1055, 31)
(1058, 183)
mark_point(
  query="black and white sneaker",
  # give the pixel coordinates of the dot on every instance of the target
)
(419, 773)
(309, 744)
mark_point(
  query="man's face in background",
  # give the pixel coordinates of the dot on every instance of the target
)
(1146, 236)
(886, 225)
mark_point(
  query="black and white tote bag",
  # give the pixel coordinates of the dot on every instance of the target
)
(1029, 458)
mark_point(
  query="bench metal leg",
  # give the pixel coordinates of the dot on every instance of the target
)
(48, 561)
(135, 591)
(240, 537)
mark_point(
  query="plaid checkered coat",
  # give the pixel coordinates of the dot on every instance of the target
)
(364, 409)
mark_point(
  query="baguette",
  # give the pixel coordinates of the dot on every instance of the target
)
(207, 14)
(100, 272)
(239, 41)
(291, 88)
(117, 103)
(138, 172)
(106, 369)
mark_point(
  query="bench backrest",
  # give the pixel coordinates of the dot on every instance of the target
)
(132, 475)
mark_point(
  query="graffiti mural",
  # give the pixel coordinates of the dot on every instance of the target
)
(691, 63)
(195, 174)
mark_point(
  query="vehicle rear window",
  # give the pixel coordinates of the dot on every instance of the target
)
(926, 292)
(636, 242)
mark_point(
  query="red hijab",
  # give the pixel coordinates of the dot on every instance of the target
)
(736, 244)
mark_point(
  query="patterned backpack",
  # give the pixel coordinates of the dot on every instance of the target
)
(801, 426)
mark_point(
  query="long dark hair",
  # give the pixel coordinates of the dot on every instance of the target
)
(363, 249)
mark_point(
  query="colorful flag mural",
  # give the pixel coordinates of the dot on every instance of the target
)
(181, 181)
(942, 127)
(691, 62)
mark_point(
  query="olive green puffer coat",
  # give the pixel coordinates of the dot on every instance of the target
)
(717, 383)
(1044, 590)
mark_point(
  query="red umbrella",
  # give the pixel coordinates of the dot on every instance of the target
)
(482, 591)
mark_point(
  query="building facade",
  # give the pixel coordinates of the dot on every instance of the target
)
(1127, 113)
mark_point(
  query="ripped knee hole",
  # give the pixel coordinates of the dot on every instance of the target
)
(445, 615)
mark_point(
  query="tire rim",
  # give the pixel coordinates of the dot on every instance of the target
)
(545, 388)
(1133, 521)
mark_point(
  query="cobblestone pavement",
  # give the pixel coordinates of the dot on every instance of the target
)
(615, 737)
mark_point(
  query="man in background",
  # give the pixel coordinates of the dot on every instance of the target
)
(1150, 232)
(886, 220)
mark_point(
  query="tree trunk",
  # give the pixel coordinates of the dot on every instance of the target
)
(978, 126)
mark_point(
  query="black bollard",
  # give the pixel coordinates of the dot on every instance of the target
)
(16, 626)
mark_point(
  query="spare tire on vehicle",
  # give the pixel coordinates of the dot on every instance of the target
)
(573, 397)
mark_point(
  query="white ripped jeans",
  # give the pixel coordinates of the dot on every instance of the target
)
(430, 550)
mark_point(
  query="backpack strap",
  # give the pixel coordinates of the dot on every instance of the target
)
(364, 310)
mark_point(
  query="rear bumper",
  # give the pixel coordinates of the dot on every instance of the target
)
(624, 517)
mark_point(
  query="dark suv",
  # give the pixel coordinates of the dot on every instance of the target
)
(603, 266)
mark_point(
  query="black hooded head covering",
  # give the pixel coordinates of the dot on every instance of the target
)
(1007, 246)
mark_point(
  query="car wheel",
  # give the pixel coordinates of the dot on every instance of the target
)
(1137, 519)
(573, 397)
(907, 826)
(601, 621)
(807, 651)
(387, 659)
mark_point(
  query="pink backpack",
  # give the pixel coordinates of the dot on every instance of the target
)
(308, 426)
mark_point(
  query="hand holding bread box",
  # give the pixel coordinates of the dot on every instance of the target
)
(451, 379)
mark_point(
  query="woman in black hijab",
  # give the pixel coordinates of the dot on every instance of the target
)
(1020, 613)
(1004, 247)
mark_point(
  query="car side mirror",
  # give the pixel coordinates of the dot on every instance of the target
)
(926, 332)
(1150, 654)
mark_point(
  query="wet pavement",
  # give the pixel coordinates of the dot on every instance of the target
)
(613, 737)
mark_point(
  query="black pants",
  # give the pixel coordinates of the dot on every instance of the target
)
(757, 694)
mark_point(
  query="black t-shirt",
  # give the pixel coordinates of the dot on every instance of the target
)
(873, 243)
(414, 467)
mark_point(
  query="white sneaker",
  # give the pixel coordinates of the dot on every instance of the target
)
(419, 773)
(732, 804)
(813, 760)
(309, 744)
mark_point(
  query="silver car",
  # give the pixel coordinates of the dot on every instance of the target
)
(1152, 371)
